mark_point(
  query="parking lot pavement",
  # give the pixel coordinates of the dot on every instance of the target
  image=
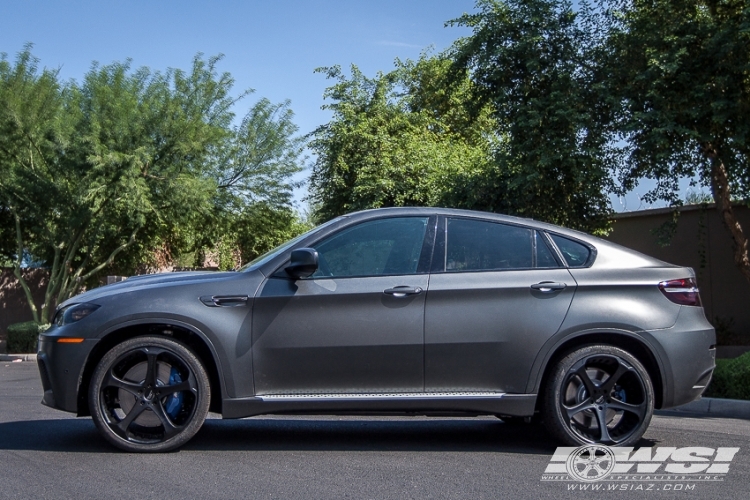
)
(49, 454)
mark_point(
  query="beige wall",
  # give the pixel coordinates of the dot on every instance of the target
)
(725, 292)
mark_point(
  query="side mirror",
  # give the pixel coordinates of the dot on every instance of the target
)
(304, 262)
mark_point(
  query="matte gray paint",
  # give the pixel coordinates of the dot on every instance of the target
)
(310, 336)
(484, 329)
(326, 348)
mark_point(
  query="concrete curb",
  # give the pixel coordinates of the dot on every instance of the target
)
(17, 357)
(712, 407)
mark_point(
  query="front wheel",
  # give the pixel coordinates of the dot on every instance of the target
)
(149, 394)
(598, 394)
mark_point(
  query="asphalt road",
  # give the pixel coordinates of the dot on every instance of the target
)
(49, 454)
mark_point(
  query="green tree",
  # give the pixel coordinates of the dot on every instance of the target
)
(680, 69)
(398, 139)
(31, 102)
(261, 227)
(535, 63)
(95, 176)
(263, 153)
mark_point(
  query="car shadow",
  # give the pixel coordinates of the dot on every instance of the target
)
(281, 433)
(60, 435)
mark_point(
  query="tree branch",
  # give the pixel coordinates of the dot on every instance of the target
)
(53, 280)
(111, 257)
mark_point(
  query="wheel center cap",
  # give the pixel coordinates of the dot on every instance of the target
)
(148, 395)
(600, 400)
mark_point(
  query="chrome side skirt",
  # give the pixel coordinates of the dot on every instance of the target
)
(484, 403)
(376, 396)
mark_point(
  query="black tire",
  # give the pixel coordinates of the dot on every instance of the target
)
(598, 394)
(149, 394)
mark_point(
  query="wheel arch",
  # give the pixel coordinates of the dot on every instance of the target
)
(188, 335)
(635, 345)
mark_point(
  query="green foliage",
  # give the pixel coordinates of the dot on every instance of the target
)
(507, 121)
(534, 63)
(664, 233)
(260, 227)
(22, 337)
(262, 155)
(681, 70)
(697, 198)
(95, 176)
(398, 139)
(678, 70)
(731, 379)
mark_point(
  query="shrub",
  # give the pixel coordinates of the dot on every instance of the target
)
(22, 337)
(731, 378)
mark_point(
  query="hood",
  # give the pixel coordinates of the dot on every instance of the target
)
(135, 283)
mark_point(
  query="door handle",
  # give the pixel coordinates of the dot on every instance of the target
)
(403, 291)
(549, 286)
(224, 300)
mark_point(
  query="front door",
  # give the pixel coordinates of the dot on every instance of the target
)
(357, 325)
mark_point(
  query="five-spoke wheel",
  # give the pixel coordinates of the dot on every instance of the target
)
(149, 394)
(598, 394)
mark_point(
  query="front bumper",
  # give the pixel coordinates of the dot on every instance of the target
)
(688, 356)
(61, 369)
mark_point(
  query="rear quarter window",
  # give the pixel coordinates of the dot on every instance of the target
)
(576, 254)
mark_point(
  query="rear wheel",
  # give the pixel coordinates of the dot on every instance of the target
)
(598, 394)
(149, 394)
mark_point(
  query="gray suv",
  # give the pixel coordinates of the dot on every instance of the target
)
(405, 310)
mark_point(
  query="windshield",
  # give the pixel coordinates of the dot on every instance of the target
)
(262, 259)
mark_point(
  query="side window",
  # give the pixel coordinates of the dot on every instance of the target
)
(474, 245)
(374, 248)
(576, 254)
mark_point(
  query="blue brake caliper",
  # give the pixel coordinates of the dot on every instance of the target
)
(619, 393)
(174, 402)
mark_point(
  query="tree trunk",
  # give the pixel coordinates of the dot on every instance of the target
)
(17, 267)
(723, 199)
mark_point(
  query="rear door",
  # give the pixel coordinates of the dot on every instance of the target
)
(497, 293)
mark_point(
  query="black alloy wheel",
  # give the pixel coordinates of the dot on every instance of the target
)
(598, 394)
(149, 394)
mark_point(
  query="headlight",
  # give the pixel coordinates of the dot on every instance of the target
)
(74, 312)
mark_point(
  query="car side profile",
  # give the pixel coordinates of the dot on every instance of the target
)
(399, 310)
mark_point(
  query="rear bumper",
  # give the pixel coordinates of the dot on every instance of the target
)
(688, 357)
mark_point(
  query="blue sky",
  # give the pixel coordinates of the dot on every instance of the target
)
(271, 46)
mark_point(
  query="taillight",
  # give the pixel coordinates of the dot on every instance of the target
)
(683, 291)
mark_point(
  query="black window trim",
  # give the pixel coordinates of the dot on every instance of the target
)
(441, 243)
(561, 264)
(592, 249)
